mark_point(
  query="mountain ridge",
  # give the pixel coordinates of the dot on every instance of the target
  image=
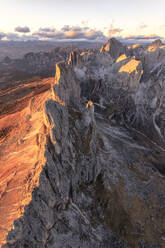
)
(103, 180)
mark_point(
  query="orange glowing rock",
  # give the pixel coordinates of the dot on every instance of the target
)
(131, 66)
(89, 104)
(22, 145)
(136, 45)
(121, 58)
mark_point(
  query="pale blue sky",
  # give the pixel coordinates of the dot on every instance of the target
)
(132, 17)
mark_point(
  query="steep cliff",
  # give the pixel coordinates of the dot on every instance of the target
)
(103, 180)
(22, 147)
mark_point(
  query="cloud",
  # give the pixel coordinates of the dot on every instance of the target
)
(47, 30)
(70, 33)
(114, 31)
(48, 35)
(144, 37)
(141, 39)
(12, 36)
(143, 26)
(9, 36)
(22, 29)
(15, 37)
(84, 23)
(77, 33)
(65, 28)
(94, 35)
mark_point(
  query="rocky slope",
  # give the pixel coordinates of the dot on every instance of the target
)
(103, 180)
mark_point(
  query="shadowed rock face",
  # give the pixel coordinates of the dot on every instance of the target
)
(103, 180)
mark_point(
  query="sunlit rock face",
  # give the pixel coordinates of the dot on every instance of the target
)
(22, 147)
(121, 58)
(103, 180)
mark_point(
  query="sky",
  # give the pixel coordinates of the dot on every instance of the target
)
(92, 20)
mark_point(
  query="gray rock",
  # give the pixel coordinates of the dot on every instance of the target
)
(103, 182)
(114, 47)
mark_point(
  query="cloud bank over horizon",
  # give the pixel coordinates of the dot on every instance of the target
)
(69, 33)
(76, 33)
(92, 20)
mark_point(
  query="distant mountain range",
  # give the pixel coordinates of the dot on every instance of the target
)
(17, 49)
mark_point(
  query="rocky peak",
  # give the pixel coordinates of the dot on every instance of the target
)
(114, 47)
(155, 45)
(73, 58)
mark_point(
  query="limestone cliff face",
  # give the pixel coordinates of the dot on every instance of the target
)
(103, 180)
(22, 147)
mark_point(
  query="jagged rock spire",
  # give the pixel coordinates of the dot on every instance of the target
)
(114, 47)
(73, 58)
